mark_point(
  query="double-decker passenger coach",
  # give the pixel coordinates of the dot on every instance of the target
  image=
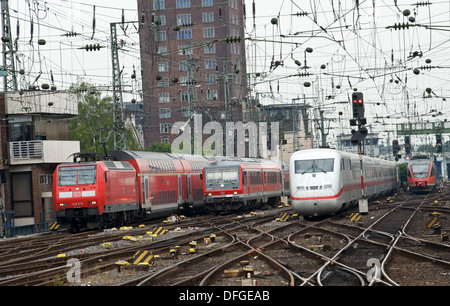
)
(243, 183)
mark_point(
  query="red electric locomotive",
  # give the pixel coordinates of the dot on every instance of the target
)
(421, 174)
(93, 194)
(243, 183)
(133, 186)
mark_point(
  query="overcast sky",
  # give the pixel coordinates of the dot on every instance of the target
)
(351, 49)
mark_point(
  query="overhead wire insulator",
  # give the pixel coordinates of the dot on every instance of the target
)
(400, 26)
(71, 34)
(300, 14)
(233, 39)
(422, 3)
(304, 74)
(92, 47)
(426, 67)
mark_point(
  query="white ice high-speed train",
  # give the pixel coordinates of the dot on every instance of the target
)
(325, 181)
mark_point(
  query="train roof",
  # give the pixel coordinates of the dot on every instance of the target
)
(235, 163)
(323, 153)
(129, 155)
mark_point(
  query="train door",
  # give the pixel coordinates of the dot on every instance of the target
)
(145, 188)
(189, 187)
(180, 190)
(107, 188)
(244, 182)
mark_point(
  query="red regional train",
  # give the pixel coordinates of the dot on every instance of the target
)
(243, 183)
(130, 187)
(421, 176)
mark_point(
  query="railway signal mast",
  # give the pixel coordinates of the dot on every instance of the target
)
(358, 120)
(395, 149)
(357, 138)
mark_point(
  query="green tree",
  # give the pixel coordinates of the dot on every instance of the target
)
(159, 147)
(94, 123)
(402, 172)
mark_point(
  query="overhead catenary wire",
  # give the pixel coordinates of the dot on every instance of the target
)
(328, 27)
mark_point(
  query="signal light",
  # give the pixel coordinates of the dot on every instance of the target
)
(395, 147)
(358, 105)
(407, 141)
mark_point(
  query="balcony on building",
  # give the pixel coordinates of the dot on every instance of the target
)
(42, 151)
(38, 127)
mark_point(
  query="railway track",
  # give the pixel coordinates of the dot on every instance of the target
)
(269, 248)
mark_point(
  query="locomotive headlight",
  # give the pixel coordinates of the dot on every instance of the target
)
(92, 202)
(328, 186)
(62, 204)
(300, 187)
(209, 194)
(235, 192)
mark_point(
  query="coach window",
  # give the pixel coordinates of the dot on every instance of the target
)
(314, 165)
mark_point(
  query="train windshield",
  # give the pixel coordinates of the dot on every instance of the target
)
(77, 175)
(314, 165)
(221, 176)
(420, 168)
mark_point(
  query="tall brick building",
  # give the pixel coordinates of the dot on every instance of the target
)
(188, 64)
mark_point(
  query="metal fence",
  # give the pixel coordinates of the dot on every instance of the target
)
(26, 149)
(8, 228)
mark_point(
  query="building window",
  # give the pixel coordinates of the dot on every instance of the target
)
(183, 3)
(162, 51)
(158, 5)
(184, 34)
(164, 97)
(210, 48)
(184, 19)
(206, 3)
(165, 140)
(161, 36)
(161, 18)
(183, 80)
(208, 33)
(211, 95)
(164, 82)
(184, 96)
(164, 113)
(45, 179)
(185, 112)
(20, 131)
(233, 4)
(184, 50)
(163, 67)
(208, 17)
(210, 63)
(183, 66)
(164, 128)
(211, 79)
